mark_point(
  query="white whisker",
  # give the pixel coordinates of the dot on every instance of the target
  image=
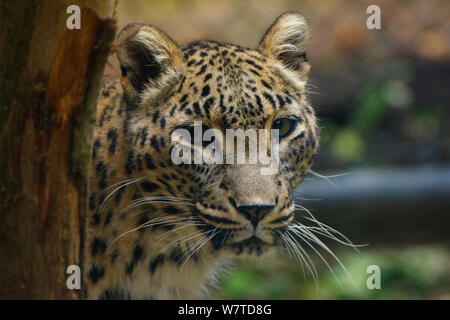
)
(297, 248)
(323, 177)
(305, 238)
(158, 221)
(127, 182)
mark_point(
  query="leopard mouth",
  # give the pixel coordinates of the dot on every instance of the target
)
(230, 235)
(252, 246)
(228, 238)
(251, 241)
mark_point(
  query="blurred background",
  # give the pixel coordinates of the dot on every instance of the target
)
(382, 176)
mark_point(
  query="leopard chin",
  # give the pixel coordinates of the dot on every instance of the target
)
(252, 247)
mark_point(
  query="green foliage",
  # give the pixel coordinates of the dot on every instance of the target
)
(348, 145)
(414, 273)
(371, 108)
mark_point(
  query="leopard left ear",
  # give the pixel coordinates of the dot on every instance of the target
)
(149, 60)
(285, 41)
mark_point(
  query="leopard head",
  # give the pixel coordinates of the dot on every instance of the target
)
(234, 208)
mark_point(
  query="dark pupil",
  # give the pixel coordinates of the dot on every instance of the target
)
(282, 125)
(277, 124)
(285, 127)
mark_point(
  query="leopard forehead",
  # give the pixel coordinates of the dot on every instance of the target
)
(227, 86)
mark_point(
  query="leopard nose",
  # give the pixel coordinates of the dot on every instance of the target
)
(255, 212)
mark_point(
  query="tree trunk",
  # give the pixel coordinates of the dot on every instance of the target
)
(49, 81)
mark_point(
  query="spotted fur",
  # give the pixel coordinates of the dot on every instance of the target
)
(156, 230)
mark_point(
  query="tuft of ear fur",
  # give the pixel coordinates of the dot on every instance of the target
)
(285, 41)
(148, 58)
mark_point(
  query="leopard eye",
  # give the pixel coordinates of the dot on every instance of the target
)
(285, 126)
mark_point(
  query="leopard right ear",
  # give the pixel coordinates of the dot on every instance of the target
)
(285, 42)
(149, 60)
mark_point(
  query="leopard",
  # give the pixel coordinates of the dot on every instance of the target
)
(159, 230)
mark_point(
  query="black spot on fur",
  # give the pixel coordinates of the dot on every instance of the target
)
(162, 123)
(172, 210)
(149, 162)
(205, 91)
(138, 254)
(183, 98)
(108, 218)
(223, 186)
(202, 70)
(129, 267)
(96, 273)
(155, 262)
(130, 165)
(95, 219)
(253, 63)
(144, 135)
(155, 117)
(197, 109)
(112, 136)
(114, 255)
(270, 99)
(100, 166)
(98, 245)
(154, 143)
(280, 100)
(206, 194)
(207, 77)
(95, 148)
(103, 180)
(258, 102)
(148, 186)
(255, 72)
(144, 219)
(177, 255)
(265, 84)
(183, 106)
(119, 193)
(207, 106)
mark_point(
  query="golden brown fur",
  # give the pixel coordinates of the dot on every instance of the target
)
(156, 230)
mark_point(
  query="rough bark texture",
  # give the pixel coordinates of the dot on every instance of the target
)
(49, 81)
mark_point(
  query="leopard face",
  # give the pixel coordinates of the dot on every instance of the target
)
(157, 229)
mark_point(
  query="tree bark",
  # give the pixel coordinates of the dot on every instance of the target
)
(49, 81)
